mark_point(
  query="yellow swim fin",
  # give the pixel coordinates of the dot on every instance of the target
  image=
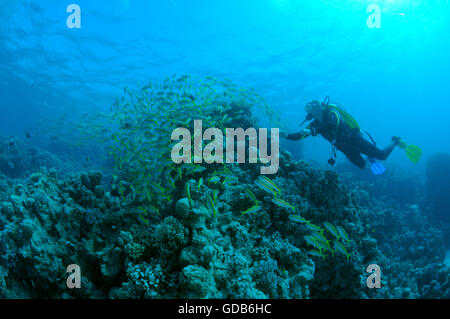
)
(413, 152)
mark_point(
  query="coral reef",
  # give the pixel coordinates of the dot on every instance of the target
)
(18, 158)
(48, 222)
(153, 229)
(438, 185)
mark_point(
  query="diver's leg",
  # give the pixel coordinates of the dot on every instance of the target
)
(356, 158)
(367, 148)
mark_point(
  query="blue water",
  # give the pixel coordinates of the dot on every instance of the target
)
(392, 79)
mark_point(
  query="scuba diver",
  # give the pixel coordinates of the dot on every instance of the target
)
(343, 132)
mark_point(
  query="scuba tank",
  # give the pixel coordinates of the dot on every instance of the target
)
(352, 126)
(343, 115)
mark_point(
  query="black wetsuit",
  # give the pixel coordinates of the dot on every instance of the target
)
(349, 141)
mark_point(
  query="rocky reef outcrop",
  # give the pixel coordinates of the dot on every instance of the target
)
(19, 158)
(185, 249)
(438, 185)
(146, 227)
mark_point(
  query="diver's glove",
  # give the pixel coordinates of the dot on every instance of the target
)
(312, 131)
(396, 140)
(283, 134)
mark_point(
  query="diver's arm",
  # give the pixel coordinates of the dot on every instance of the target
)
(296, 136)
